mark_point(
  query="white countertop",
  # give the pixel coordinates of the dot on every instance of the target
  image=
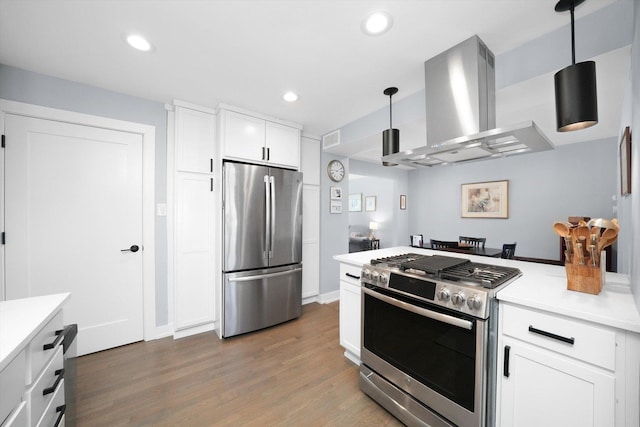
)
(21, 319)
(543, 287)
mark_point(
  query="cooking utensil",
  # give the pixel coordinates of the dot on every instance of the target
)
(579, 253)
(603, 223)
(592, 253)
(608, 237)
(568, 243)
(563, 229)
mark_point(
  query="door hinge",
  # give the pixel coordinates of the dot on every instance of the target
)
(2, 141)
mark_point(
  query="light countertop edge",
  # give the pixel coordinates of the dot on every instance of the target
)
(543, 287)
(22, 319)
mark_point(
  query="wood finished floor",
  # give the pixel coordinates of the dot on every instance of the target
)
(293, 374)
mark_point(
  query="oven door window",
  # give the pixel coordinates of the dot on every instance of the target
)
(439, 355)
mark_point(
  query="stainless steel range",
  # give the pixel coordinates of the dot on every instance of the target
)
(429, 338)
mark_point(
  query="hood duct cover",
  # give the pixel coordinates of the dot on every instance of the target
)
(461, 112)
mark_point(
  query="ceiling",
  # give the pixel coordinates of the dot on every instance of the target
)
(248, 53)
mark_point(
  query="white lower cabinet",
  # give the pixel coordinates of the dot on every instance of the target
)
(350, 311)
(557, 371)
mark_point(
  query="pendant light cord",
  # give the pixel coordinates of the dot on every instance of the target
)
(390, 114)
(573, 38)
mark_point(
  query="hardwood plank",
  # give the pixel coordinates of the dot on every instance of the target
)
(291, 374)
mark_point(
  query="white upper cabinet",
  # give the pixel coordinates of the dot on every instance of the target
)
(245, 137)
(195, 131)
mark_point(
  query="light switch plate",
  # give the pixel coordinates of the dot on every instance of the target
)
(161, 209)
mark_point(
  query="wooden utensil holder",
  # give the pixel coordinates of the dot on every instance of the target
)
(586, 278)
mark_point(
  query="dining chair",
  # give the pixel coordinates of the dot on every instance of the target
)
(478, 242)
(508, 250)
(437, 244)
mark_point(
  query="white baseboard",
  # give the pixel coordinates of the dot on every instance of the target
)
(329, 297)
(162, 331)
(194, 330)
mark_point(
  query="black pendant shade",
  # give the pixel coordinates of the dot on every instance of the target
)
(391, 136)
(576, 97)
(575, 86)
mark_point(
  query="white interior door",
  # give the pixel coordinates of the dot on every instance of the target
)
(73, 204)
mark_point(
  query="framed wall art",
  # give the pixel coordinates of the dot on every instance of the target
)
(625, 162)
(336, 193)
(370, 203)
(485, 199)
(355, 202)
(336, 206)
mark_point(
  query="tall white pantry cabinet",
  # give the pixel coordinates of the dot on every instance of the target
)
(194, 252)
(199, 138)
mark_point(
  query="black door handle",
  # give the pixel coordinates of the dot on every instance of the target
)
(133, 248)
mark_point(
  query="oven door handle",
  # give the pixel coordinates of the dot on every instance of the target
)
(445, 318)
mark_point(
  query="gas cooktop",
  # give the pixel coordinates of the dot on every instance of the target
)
(454, 283)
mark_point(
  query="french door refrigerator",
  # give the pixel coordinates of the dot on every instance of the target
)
(262, 247)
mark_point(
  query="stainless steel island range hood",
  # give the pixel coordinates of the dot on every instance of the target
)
(461, 113)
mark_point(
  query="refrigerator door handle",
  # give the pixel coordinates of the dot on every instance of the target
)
(263, 276)
(267, 219)
(272, 232)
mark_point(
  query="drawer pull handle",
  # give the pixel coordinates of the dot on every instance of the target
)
(505, 367)
(59, 377)
(62, 409)
(55, 342)
(353, 276)
(552, 335)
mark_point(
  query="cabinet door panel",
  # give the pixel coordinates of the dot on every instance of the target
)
(283, 143)
(194, 296)
(243, 136)
(195, 131)
(546, 389)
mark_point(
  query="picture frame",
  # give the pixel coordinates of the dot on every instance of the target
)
(336, 207)
(355, 202)
(485, 199)
(625, 162)
(336, 193)
(370, 203)
(403, 201)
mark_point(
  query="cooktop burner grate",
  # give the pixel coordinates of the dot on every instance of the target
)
(489, 276)
(434, 264)
(397, 260)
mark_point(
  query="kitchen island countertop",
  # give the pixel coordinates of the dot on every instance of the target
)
(543, 287)
(21, 319)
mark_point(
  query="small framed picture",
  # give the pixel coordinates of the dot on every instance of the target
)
(625, 162)
(355, 202)
(370, 203)
(336, 193)
(403, 201)
(336, 207)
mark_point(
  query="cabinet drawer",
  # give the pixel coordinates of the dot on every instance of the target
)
(55, 410)
(37, 355)
(11, 385)
(583, 341)
(48, 382)
(19, 416)
(350, 274)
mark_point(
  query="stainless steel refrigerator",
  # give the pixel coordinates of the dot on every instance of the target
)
(262, 247)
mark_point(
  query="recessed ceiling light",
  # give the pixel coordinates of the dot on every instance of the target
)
(139, 42)
(377, 22)
(290, 96)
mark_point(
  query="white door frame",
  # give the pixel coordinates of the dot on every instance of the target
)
(148, 134)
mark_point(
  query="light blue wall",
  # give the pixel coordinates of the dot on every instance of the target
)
(572, 180)
(386, 184)
(32, 88)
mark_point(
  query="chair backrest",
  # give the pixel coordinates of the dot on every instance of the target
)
(473, 241)
(508, 250)
(436, 244)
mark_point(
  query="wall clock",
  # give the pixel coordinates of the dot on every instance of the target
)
(335, 170)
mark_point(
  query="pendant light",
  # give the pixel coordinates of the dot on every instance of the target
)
(576, 98)
(391, 136)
